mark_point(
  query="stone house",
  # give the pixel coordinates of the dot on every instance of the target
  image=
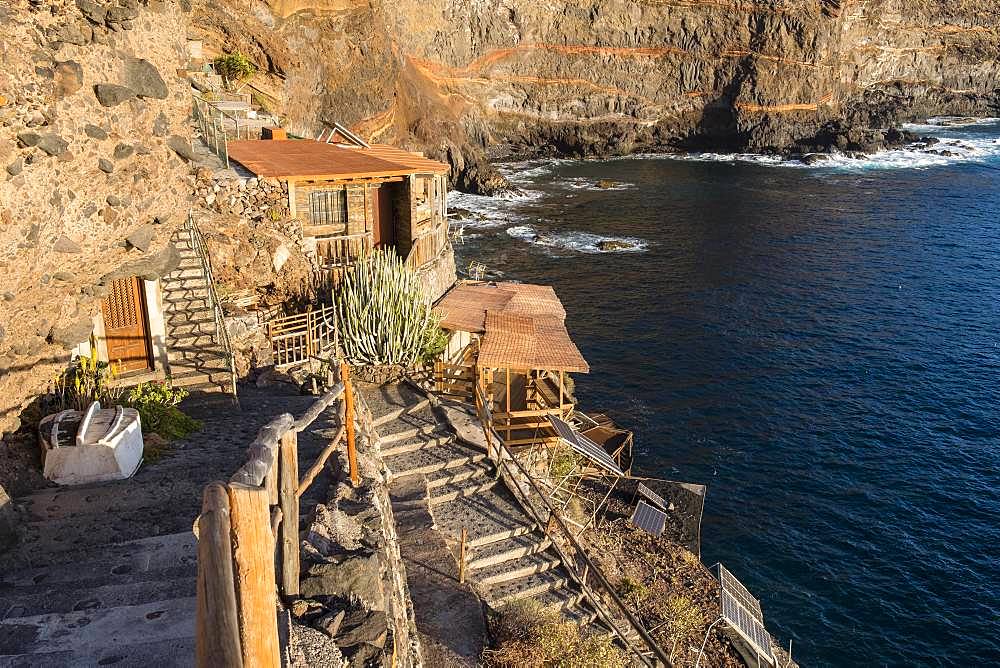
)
(350, 197)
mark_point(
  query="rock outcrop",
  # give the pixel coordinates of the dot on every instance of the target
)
(463, 79)
(89, 190)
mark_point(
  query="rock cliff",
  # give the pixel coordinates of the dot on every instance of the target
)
(92, 114)
(467, 78)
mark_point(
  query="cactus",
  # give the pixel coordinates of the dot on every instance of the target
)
(383, 313)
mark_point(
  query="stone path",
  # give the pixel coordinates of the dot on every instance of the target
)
(440, 485)
(105, 574)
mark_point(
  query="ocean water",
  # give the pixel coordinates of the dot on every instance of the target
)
(821, 346)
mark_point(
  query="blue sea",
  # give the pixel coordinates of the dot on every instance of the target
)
(821, 347)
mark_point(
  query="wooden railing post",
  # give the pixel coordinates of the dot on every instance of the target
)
(253, 558)
(216, 620)
(461, 556)
(352, 454)
(289, 456)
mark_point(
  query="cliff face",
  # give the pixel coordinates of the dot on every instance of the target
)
(90, 188)
(610, 76)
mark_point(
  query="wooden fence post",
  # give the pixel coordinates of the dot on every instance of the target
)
(352, 454)
(289, 455)
(461, 557)
(216, 621)
(253, 554)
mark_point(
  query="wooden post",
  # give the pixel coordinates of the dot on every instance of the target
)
(510, 421)
(309, 332)
(253, 553)
(461, 556)
(216, 621)
(560, 393)
(289, 455)
(271, 480)
(352, 454)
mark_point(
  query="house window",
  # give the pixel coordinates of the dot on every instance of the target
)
(328, 207)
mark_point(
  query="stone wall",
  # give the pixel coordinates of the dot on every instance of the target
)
(92, 118)
(354, 592)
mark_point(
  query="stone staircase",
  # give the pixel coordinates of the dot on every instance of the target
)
(196, 356)
(105, 574)
(509, 557)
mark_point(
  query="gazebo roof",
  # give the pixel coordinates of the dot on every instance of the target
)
(522, 325)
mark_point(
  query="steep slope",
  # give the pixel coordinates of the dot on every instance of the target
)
(456, 77)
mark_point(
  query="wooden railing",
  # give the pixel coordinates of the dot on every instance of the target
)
(299, 337)
(427, 246)
(456, 380)
(251, 523)
(586, 573)
(343, 251)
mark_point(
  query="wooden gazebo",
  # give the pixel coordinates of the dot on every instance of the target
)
(511, 339)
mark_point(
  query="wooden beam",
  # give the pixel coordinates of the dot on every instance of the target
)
(289, 455)
(253, 558)
(352, 454)
(217, 628)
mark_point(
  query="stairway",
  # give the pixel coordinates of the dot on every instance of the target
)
(509, 557)
(196, 357)
(105, 574)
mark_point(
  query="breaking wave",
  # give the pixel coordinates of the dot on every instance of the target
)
(580, 242)
(466, 209)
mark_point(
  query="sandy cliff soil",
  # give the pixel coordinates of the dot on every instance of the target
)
(466, 78)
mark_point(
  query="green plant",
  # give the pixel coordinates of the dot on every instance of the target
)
(684, 621)
(632, 591)
(383, 314)
(562, 461)
(158, 411)
(529, 635)
(234, 68)
(84, 381)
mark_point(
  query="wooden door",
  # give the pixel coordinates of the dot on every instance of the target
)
(125, 330)
(383, 230)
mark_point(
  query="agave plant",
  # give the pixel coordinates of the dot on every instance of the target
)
(384, 315)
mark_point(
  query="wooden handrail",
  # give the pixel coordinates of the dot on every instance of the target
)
(504, 459)
(246, 522)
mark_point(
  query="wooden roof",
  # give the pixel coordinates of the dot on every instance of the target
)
(522, 325)
(300, 160)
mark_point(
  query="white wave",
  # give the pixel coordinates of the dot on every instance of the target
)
(490, 211)
(519, 172)
(586, 183)
(581, 242)
(939, 122)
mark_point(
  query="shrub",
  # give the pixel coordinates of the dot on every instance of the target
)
(84, 381)
(684, 621)
(632, 591)
(529, 635)
(234, 68)
(384, 315)
(158, 411)
(562, 461)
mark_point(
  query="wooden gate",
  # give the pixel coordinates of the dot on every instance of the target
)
(125, 332)
(457, 378)
(296, 338)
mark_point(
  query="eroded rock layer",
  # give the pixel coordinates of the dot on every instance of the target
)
(610, 76)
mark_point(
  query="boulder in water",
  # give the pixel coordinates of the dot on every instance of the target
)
(815, 158)
(610, 245)
(606, 184)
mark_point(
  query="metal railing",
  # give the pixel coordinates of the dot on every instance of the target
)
(300, 337)
(218, 126)
(199, 247)
(598, 590)
(248, 534)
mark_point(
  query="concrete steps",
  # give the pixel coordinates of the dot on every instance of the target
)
(510, 558)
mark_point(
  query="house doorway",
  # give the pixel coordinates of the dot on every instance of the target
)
(384, 229)
(126, 327)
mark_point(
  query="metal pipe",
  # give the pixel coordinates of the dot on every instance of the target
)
(697, 663)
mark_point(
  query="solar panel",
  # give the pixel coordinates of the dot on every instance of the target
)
(585, 446)
(747, 626)
(731, 584)
(652, 497)
(649, 519)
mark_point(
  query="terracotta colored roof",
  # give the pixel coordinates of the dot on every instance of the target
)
(522, 325)
(306, 159)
